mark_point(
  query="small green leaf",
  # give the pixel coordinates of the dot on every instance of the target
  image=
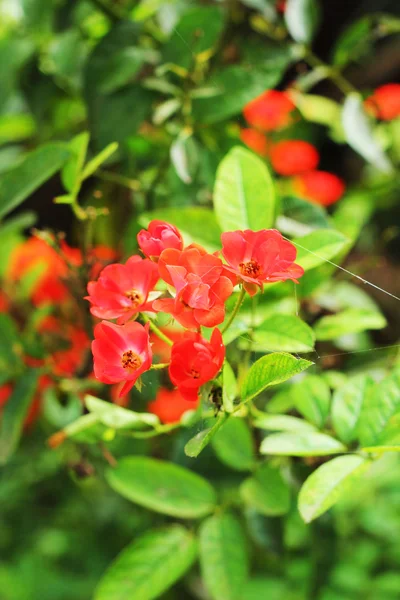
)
(184, 157)
(283, 333)
(266, 491)
(328, 484)
(359, 133)
(96, 162)
(300, 444)
(162, 486)
(271, 370)
(10, 345)
(165, 110)
(347, 404)
(348, 321)
(318, 247)
(229, 387)
(14, 413)
(223, 557)
(244, 193)
(234, 446)
(283, 423)
(203, 438)
(36, 168)
(149, 566)
(312, 399)
(71, 171)
(117, 417)
(301, 18)
(85, 430)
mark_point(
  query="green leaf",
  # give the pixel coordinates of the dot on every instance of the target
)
(282, 423)
(318, 247)
(258, 588)
(239, 84)
(117, 417)
(196, 224)
(223, 557)
(162, 486)
(184, 157)
(300, 444)
(14, 413)
(36, 168)
(85, 430)
(266, 491)
(347, 405)
(318, 109)
(380, 404)
(359, 203)
(348, 321)
(312, 399)
(96, 162)
(196, 33)
(233, 444)
(301, 18)
(15, 128)
(71, 172)
(354, 42)
(328, 484)
(359, 133)
(271, 370)
(229, 388)
(149, 566)
(203, 438)
(244, 193)
(285, 333)
(10, 345)
(165, 110)
(300, 217)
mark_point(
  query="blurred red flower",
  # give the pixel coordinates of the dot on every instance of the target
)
(194, 361)
(121, 353)
(255, 140)
(292, 157)
(122, 290)
(170, 405)
(384, 103)
(159, 236)
(319, 187)
(259, 257)
(271, 110)
(202, 285)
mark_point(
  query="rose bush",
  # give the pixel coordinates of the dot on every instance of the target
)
(199, 367)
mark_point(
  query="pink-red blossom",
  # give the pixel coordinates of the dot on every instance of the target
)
(121, 353)
(122, 290)
(194, 361)
(202, 285)
(259, 257)
(170, 405)
(158, 237)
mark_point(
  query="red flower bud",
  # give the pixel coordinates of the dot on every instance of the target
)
(159, 236)
(291, 157)
(384, 103)
(271, 110)
(255, 140)
(170, 405)
(319, 187)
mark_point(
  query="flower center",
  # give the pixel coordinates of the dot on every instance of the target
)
(131, 361)
(135, 297)
(251, 268)
(194, 373)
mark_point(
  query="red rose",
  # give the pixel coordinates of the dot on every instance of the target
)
(259, 257)
(194, 361)
(122, 290)
(121, 353)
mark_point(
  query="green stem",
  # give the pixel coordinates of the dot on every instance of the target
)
(159, 366)
(131, 184)
(235, 310)
(334, 74)
(157, 331)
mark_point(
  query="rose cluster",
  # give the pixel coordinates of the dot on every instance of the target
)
(191, 285)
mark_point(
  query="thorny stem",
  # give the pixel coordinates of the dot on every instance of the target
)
(235, 310)
(157, 331)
